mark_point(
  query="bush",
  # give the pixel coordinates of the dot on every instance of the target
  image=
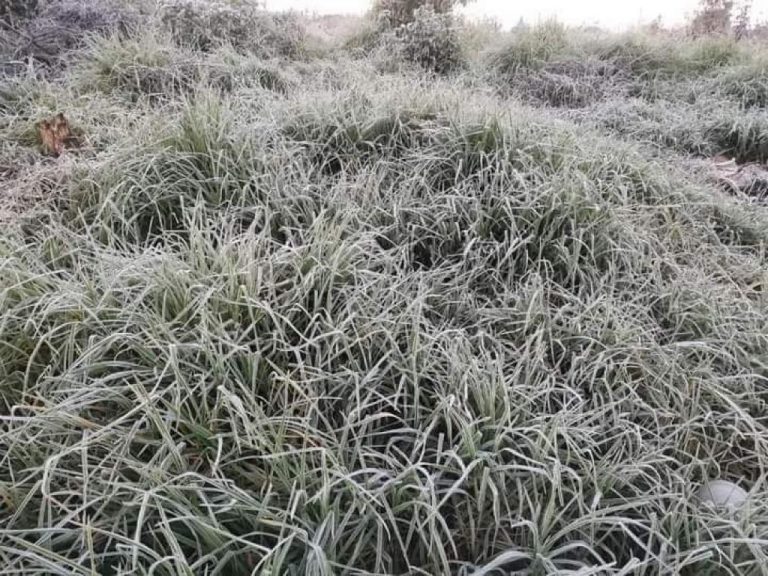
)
(431, 41)
(713, 17)
(207, 25)
(401, 12)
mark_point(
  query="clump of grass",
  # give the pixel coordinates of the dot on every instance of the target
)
(707, 127)
(744, 137)
(636, 54)
(530, 48)
(582, 68)
(650, 57)
(150, 66)
(209, 25)
(17, 96)
(199, 162)
(747, 84)
(708, 54)
(571, 83)
(143, 66)
(230, 74)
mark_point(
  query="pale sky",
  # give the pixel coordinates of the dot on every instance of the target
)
(615, 14)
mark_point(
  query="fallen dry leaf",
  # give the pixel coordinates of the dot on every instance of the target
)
(749, 178)
(56, 135)
(48, 139)
(61, 126)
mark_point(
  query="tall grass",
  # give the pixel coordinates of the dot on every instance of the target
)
(372, 325)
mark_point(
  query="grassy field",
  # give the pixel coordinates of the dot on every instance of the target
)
(293, 304)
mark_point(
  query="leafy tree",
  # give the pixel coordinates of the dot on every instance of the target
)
(713, 17)
(400, 12)
(741, 26)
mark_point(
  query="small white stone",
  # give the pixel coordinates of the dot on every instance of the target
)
(722, 493)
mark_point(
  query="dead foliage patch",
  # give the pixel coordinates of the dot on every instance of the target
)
(750, 178)
(56, 135)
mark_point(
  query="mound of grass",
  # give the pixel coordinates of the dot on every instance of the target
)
(570, 83)
(143, 66)
(744, 137)
(150, 66)
(210, 275)
(378, 325)
(548, 65)
(711, 53)
(650, 57)
(530, 48)
(747, 84)
(707, 127)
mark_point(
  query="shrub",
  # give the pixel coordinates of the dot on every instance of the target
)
(431, 41)
(277, 35)
(760, 31)
(401, 12)
(207, 25)
(743, 21)
(713, 17)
